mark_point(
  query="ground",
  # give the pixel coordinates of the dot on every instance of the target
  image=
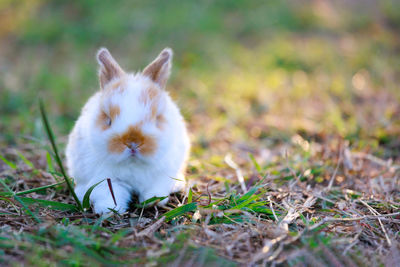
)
(294, 113)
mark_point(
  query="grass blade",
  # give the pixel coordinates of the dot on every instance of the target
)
(26, 161)
(249, 193)
(86, 197)
(50, 166)
(150, 201)
(180, 211)
(9, 163)
(17, 198)
(9, 201)
(55, 150)
(256, 165)
(190, 195)
(247, 201)
(7, 194)
(51, 204)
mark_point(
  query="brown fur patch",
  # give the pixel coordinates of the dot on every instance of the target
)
(151, 97)
(114, 111)
(117, 84)
(118, 143)
(160, 121)
(102, 120)
(103, 117)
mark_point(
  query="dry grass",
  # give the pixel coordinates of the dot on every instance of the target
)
(333, 206)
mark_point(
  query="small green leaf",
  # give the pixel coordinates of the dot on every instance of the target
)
(51, 204)
(227, 187)
(312, 242)
(258, 167)
(262, 209)
(9, 163)
(50, 166)
(319, 228)
(25, 160)
(249, 193)
(119, 235)
(86, 197)
(247, 201)
(190, 195)
(303, 219)
(180, 211)
(149, 201)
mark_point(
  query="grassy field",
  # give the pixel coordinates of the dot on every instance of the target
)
(294, 113)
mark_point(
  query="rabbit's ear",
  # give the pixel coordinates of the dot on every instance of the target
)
(159, 69)
(109, 68)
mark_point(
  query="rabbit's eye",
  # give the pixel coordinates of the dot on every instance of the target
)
(108, 121)
(105, 119)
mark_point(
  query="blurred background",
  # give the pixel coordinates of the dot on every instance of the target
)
(245, 73)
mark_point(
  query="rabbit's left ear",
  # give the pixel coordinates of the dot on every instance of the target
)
(109, 68)
(160, 68)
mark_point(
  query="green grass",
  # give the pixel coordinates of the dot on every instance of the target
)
(302, 96)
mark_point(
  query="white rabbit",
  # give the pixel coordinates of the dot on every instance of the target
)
(132, 132)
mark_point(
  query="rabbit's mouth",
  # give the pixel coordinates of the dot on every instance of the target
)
(133, 155)
(133, 151)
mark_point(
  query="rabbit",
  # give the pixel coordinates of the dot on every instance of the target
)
(132, 132)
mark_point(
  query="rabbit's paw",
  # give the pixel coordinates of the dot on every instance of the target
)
(103, 201)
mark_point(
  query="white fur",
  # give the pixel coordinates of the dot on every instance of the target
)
(89, 160)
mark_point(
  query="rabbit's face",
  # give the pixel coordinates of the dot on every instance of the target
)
(130, 120)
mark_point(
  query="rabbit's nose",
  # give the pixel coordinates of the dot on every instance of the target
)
(132, 147)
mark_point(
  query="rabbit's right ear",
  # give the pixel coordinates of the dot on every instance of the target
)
(109, 68)
(158, 70)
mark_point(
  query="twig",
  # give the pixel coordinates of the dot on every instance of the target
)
(293, 214)
(152, 228)
(317, 195)
(208, 194)
(141, 214)
(355, 240)
(336, 170)
(330, 256)
(276, 253)
(293, 173)
(272, 208)
(77, 216)
(330, 219)
(380, 222)
(228, 160)
(266, 249)
(376, 160)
